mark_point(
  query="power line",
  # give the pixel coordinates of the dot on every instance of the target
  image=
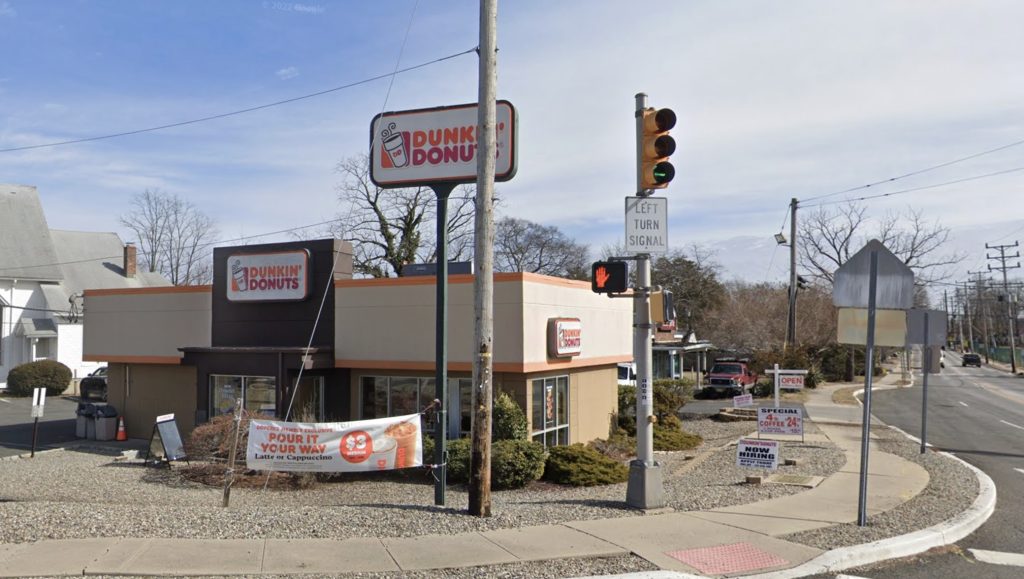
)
(920, 171)
(911, 190)
(238, 112)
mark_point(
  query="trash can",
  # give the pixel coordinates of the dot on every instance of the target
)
(84, 414)
(106, 422)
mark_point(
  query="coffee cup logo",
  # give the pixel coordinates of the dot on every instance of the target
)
(394, 146)
(239, 277)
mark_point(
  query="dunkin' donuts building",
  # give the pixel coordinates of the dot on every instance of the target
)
(194, 350)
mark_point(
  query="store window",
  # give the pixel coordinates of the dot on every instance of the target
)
(258, 394)
(383, 396)
(551, 410)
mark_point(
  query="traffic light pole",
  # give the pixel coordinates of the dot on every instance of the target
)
(645, 489)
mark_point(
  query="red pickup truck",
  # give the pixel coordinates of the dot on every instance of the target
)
(732, 375)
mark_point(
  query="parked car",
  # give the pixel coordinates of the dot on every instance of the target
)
(971, 359)
(627, 374)
(731, 375)
(94, 384)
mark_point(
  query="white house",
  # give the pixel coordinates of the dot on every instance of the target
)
(43, 273)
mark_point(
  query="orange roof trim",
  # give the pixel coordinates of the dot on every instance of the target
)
(512, 367)
(171, 289)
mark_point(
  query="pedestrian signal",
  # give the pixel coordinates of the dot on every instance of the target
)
(609, 277)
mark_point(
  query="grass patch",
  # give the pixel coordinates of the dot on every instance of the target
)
(845, 396)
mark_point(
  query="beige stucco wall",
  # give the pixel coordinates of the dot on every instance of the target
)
(141, 392)
(145, 325)
(391, 323)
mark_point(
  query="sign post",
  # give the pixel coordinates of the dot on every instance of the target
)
(38, 402)
(928, 328)
(436, 148)
(790, 379)
(876, 279)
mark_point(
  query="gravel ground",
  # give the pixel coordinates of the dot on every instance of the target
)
(951, 489)
(86, 493)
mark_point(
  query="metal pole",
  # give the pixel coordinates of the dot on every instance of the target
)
(926, 367)
(970, 321)
(35, 433)
(644, 489)
(869, 370)
(441, 346)
(776, 385)
(483, 257)
(791, 322)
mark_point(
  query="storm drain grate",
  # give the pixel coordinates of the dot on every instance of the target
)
(795, 479)
(724, 559)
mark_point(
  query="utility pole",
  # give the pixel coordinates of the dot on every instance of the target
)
(970, 321)
(983, 313)
(945, 308)
(958, 308)
(791, 322)
(483, 255)
(1006, 291)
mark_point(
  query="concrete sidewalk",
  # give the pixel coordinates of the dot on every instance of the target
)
(719, 542)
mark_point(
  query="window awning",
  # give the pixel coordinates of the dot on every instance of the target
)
(38, 328)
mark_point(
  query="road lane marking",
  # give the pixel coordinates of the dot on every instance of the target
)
(1020, 470)
(998, 558)
(964, 404)
(1012, 424)
(5, 400)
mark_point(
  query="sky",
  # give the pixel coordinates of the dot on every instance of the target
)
(774, 99)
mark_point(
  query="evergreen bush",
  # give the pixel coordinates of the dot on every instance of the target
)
(508, 421)
(49, 374)
(514, 463)
(578, 465)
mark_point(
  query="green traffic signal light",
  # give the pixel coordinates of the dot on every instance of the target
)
(655, 171)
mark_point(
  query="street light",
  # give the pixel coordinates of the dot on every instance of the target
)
(780, 239)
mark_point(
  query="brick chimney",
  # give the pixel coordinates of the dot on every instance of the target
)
(129, 260)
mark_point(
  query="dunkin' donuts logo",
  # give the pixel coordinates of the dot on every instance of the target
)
(428, 147)
(268, 276)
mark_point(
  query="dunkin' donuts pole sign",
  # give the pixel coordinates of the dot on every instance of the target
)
(437, 145)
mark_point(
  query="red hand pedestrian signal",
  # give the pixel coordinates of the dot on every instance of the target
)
(609, 277)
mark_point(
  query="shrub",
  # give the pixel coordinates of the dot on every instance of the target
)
(213, 439)
(578, 465)
(49, 374)
(514, 463)
(670, 438)
(669, 397)
(508, 419)
(763, 389)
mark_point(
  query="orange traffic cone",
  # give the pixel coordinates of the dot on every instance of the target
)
(122, 434)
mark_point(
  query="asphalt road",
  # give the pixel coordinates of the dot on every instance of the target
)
(56, 427)
(977, 414)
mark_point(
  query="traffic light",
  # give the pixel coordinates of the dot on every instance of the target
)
(609, 277)
(655, 170)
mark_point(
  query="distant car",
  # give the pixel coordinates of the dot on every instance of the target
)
(970, 359)
(94, 384)
(942, 359)
(627, 374)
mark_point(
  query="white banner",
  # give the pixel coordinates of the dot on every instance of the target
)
(365, 445)
(780, 421)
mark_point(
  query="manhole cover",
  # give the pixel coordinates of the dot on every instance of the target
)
(724, 559)
(794, 479)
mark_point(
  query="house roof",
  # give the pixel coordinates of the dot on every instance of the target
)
(91, 260)
(38, 327)
(26, 252)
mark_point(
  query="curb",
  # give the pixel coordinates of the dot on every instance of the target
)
(944, 533)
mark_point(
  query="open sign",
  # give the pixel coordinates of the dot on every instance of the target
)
(792, 381)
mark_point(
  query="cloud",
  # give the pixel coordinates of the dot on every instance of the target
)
(286, 73)
(7, 10)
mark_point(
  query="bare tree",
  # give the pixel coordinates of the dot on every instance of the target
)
(173, 237)
(829, 238)
(391, 228)
(752, 317)
(521, 245)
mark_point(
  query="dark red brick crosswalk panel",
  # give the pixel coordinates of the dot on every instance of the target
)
(724, 559)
